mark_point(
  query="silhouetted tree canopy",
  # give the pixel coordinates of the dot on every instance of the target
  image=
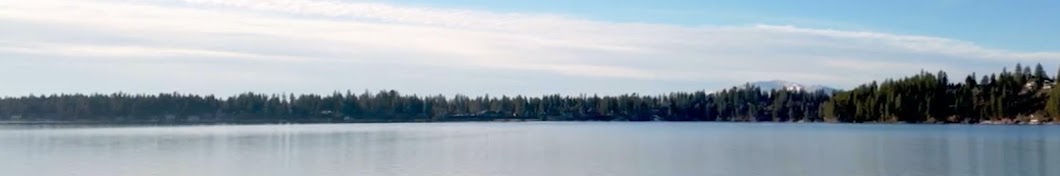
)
(746, 103)
(925, 97)
(931, 97)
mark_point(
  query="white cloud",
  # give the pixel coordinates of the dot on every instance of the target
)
(140, 53)
(327, 45)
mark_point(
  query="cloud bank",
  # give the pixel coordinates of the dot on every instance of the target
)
(230, 46)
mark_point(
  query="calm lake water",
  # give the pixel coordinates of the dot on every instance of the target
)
(533, 149)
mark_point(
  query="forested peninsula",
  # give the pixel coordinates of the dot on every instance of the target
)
(1020, 96)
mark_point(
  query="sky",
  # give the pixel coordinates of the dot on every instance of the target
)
(478, 47)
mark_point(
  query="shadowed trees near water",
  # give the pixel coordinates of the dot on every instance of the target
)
(736, 104)
(1019, 95)
(1023, 94)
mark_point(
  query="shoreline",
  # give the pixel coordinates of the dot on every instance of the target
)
(7, 122)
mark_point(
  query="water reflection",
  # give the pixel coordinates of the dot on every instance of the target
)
(532, 149)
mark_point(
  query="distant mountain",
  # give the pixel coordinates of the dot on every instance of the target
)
(788, 85)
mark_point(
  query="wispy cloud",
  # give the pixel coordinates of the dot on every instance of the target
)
(325, 45)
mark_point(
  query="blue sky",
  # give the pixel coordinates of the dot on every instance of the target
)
(480, 47)
(1029, 25)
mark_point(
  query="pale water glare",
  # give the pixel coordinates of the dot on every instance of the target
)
(532, 149)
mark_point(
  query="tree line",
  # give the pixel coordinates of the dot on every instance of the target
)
(747, 103)
(1019, 95)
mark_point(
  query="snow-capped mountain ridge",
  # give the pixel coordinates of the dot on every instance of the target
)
(788, 85)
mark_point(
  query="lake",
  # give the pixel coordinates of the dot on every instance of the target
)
(532, 149)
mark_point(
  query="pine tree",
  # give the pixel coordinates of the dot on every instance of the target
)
(1039, 76)
(1052, 105)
